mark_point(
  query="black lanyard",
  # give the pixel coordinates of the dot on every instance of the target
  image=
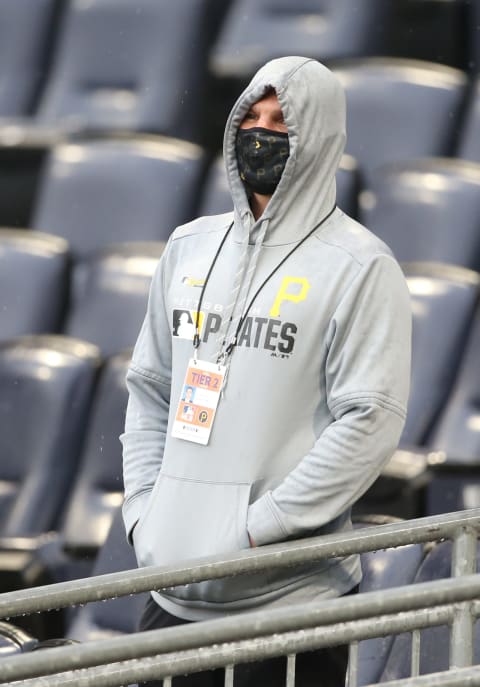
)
(233, 343)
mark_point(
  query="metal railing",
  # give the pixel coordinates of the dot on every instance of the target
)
(161, 654)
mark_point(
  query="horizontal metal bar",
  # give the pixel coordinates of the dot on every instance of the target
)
(219, 656)
(282, 555)
(244, 626)
(461, 677)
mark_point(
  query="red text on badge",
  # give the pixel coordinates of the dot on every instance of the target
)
(210, 381)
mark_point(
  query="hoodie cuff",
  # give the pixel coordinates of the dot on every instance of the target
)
(132, 511)
(263, 521)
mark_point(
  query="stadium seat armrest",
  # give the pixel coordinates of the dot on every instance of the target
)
(399, 489)
(411, 464)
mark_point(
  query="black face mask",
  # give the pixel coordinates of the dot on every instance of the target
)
(261, 156)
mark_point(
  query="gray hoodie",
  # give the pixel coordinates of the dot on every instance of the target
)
(317, 389)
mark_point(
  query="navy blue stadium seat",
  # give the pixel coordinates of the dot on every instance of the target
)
(216, 197)
(98, 487)
(348, 185)
(110, 295)
(434, 642)
(469, 146)
(255, 31)
(101, 620)
(126, 65)
(456, 483)
(453, 486)
(34, 274)
(432, 30)
(46, 384)
(393, 567)
(24, 35)
(457, 431)
(427, 210)
(443, 302)
(109, 191)
(22, 157)
(474, 25)
(399, 109)
(400, 488)
(97, 490)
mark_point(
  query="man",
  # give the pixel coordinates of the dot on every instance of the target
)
(300, 361)
(189, 391)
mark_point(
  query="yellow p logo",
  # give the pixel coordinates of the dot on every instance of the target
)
(284, 294)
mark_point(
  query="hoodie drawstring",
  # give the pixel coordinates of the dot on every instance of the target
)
(241, 287)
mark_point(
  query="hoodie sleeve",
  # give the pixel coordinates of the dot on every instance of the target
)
(148, 383)
(367, 375)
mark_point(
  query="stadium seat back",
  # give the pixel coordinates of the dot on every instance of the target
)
(109, 301)
(434, 642)
(256, 31)
(348, 183)
(457, 431)
(456, 482)
(105, 619)
(24, 34)
(98, 488)
(34, 273)
(393, 567)
(399, 109)
(104, 192)
(216, 198)
(46, 384)
(473, 27)
(469, 147)
(443, 302)
(125, 65)
(427, 210)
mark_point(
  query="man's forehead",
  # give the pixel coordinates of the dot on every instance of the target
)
(268, 99)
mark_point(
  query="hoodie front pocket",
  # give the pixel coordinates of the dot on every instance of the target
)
(189, 519)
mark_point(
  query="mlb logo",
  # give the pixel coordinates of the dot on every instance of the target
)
(183, 323)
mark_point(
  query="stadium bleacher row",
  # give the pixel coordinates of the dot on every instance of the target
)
(110, 132)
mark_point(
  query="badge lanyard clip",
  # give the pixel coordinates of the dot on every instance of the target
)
(196, 342)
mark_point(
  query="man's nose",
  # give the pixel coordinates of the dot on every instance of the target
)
(264, 121)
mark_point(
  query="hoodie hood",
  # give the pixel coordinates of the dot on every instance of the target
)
(313, 106)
